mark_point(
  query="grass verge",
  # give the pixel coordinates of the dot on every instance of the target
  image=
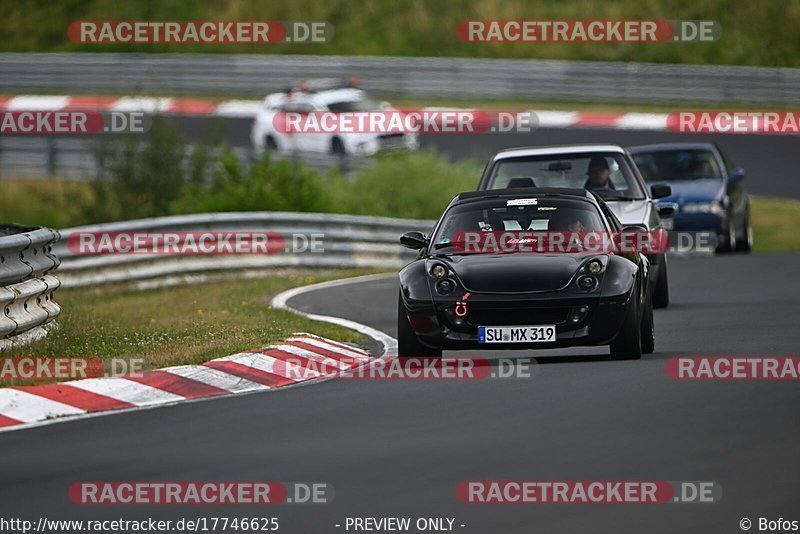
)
(775, 223)
(180, 325)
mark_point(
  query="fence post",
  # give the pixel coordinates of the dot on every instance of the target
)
(51, 157)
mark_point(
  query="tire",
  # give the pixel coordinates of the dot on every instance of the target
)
(661, 292)
(647, 328)
(745, 244)
(628, 344)
(337, 148)
(270, 145)
(408, 344)
(729, 243)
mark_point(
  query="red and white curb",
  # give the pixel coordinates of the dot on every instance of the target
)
(256, 370)
(152, 105)
(249, 109)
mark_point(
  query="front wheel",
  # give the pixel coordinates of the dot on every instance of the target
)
(745, 244)
(728, 243)
(337, 148)
(648, 330)
(408, 344)
(628, 344)
(661, 293)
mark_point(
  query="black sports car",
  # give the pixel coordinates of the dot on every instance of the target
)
(483, 280)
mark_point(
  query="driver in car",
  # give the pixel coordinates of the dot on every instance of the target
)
(570, 225)
(599, 175)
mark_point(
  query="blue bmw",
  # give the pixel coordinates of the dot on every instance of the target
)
(708, 191)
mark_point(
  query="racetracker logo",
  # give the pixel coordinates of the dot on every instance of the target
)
(205, 493)
(730, 368)
(41, 367)
(555, 242)
(71, 122)
(198, 32)
(592, 31)
(735, 122)
(404, 368)
(24, 369)
(586, 492)
(427, 121)
(191, 243)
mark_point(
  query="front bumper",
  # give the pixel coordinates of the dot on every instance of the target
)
(438, 326)
(372, 144)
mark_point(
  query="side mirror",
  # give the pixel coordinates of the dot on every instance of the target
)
(630, 237)
(736, 175)
(634, 228)
(414, 240)
(660, 190)
(667, 209)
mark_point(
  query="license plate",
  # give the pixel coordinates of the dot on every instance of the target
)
(517, 334)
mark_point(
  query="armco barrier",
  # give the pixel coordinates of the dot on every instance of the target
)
(348, 241)
(254, 75)
(26, 287)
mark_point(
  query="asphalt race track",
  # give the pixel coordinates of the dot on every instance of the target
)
(772, 162)
(398, 448)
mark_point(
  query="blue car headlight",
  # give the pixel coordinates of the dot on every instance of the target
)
(714, 207)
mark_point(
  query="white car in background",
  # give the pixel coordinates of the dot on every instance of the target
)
(324, 96)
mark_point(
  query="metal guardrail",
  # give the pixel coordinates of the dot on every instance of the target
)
(424, 77)
(348, 241)
(26, 287)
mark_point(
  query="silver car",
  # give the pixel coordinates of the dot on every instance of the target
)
(608, 171)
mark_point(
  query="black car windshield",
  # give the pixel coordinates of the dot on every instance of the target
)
(606, 173)
(519, 215)
(674, 165)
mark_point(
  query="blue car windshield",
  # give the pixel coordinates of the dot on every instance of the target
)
(677, 165)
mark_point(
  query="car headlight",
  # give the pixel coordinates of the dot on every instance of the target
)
(445, 287)
(587, 282)
(594, 266)
(439, 271)
(714, 207)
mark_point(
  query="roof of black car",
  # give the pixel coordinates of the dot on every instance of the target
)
(526, 192)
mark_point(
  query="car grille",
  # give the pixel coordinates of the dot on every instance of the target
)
(506, 315)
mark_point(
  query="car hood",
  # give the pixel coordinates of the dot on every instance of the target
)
(693, 191)
(630, 211)
(518, 272)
